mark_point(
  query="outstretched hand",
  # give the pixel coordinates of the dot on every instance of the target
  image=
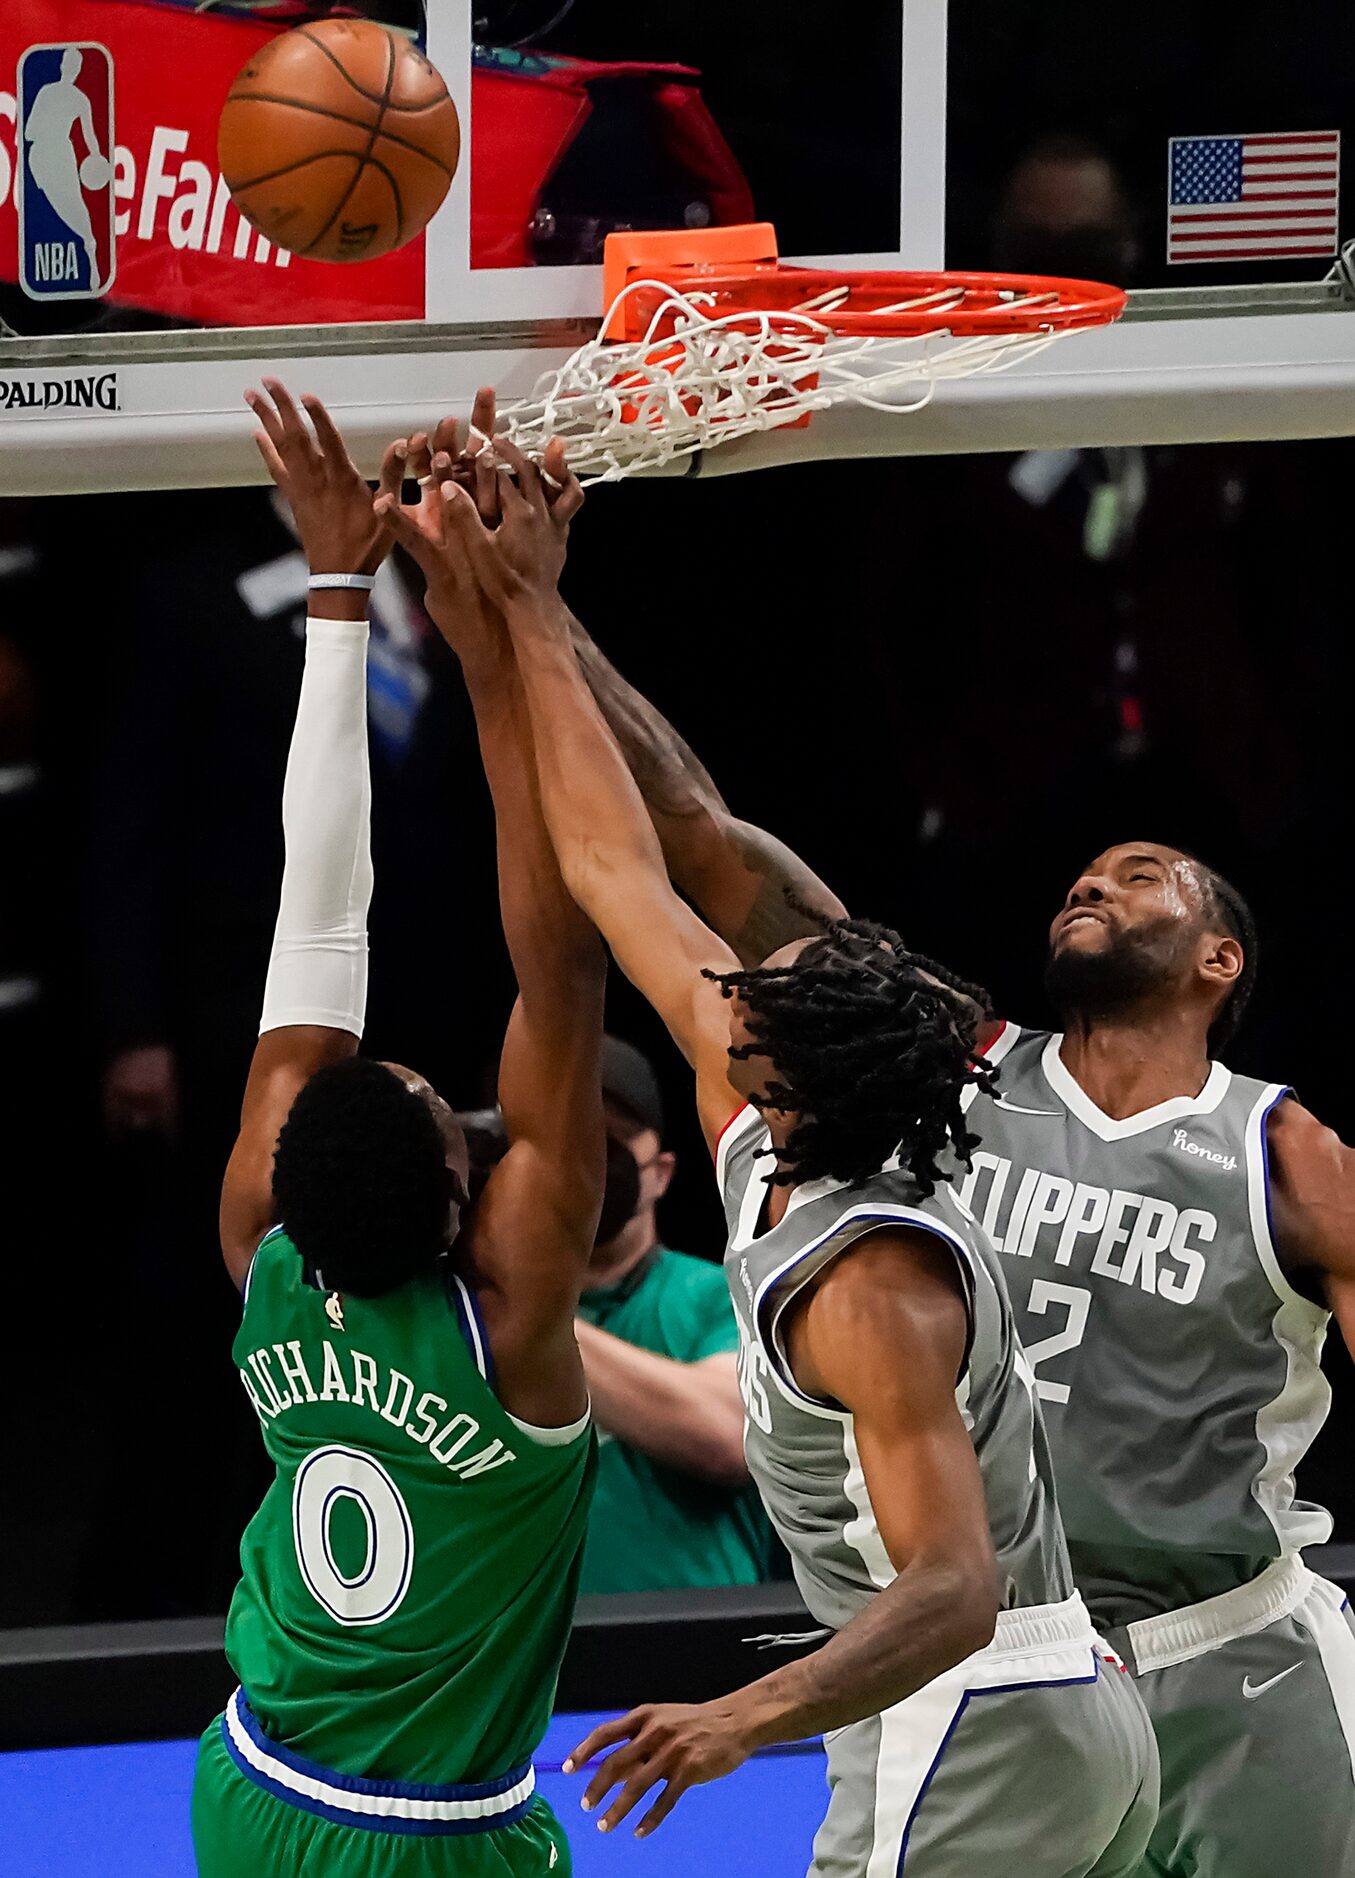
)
(522, 560)
(430, 532)
(678, 1744)
(490, 529)
(329, 499)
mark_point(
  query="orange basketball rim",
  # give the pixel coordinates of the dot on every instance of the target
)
(738, 268)
(708, 337)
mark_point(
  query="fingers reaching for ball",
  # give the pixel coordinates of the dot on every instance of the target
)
(564, 492)
(330, 501)
(492, 520)
(484, 418)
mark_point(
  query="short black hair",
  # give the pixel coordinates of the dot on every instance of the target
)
(1225, 908)
(360, 1179)
(871, 1055)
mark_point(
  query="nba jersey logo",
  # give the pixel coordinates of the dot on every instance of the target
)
(67, 241)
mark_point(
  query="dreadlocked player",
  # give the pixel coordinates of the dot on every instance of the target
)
(1175, 1237)
(893, 1432)
(856, 1018)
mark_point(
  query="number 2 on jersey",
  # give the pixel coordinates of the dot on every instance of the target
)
(377, 1589)
(1077, 1303)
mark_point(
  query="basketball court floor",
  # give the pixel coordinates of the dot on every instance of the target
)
(122, 1812)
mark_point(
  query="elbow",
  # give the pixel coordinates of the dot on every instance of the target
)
(578, 865)
(977, 1619)
(969, 1600)
(721, 1460)
(712, 1426)
(597, 874)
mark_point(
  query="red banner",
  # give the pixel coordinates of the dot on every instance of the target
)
(183, 249)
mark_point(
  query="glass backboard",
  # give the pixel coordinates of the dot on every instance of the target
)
(1197, 162)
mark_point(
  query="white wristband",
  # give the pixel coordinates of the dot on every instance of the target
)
(361, 583)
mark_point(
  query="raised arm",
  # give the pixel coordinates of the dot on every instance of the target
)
(883, 1333)
(605, 842)
(532, 1231)
(748, 885)
(316, 993)
(754, 891)
(1313, 1210)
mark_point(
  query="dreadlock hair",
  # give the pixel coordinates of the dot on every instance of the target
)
(1226, 909)
(360, 1179)
(870, 1054)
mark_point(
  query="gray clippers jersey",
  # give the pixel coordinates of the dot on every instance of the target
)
(802, 1453)
(1177, 1367)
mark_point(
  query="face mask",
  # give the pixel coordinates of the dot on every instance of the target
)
(621, 1197)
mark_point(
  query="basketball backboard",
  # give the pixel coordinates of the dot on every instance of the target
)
(1198, 164)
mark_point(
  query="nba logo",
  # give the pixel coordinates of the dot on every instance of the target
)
(67, 242)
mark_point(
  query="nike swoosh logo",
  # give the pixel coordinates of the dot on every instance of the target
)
(1251, 1690)
(1001, 1102)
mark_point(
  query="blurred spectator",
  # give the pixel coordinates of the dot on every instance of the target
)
(1064, 210)
(674, 1506)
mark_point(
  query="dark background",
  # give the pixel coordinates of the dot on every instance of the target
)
(905, 668)
(949, 693)
(1128, 80)
(810, 102)
(813, 116)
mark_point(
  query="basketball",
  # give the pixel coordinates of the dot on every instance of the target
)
(339, 141)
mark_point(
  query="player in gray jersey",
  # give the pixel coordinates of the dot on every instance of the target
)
(974, 1723)
(1175, 1238)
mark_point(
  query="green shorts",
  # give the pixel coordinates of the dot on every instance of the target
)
(241, 1830)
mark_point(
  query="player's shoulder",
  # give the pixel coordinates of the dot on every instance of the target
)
(999, 1036)
(275, 1253)
(1297, 1140)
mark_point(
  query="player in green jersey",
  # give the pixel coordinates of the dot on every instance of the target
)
(408, 1582)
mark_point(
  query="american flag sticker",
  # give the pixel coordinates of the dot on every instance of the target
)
(1270, 197)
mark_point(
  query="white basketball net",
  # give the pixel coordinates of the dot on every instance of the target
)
(633, 405)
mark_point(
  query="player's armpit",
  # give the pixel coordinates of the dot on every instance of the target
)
(284, 1061)
(1312, 1193)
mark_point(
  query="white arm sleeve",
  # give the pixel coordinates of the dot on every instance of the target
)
(318, 970)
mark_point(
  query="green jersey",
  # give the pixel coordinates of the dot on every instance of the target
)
(408, 1583)
(655, 1527)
